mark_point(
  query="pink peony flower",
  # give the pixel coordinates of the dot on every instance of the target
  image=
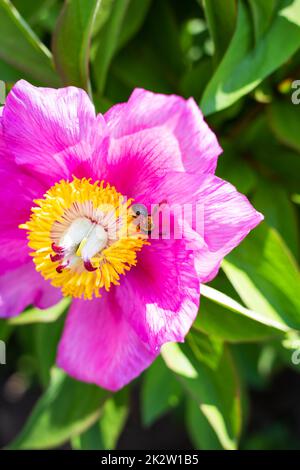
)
(65, 174)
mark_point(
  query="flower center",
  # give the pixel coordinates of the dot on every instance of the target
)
(83, 237)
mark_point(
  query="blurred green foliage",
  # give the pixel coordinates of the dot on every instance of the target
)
(239, 60)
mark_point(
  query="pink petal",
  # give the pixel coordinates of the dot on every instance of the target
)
(48, 295)
(22, 287)
(145, 110)
(43, 128)
(17, 193)
(99, 346)
(14, 249)
(228, 215)
(135, 162)
(161, 293)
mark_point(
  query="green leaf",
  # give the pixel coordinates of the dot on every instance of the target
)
(221, 19)
(36, 315)
(133, 20)
(44, 20)
(223, 317)
(147, 72)
(10, 75)
(101, 18)
(21, 48)
(284, 120)
(71, 41)
(244, 67)
(105, 433)
(66, 409)
(163, 31)
(296, 198)
(234, 168)
(231, 304)
(47, 336)
(126, 18)
(269, 157)
(177, 361)
(160, 392)
(113, 419)
(262, 14)
(266, 277)
(32, 12)
(199, 429)
(5, 330)
(196, 78)
(274, 437)
(216, 392)
(266, 193)
(206, 349)
(255, 362)
(107, 42)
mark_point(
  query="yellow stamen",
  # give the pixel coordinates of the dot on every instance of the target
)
(77, 218)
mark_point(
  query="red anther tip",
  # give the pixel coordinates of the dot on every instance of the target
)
(61, 267)
(57, 248)
(57, 257)
(88, 266)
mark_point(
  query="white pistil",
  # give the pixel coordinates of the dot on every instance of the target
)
(83, 239)
(95, 242)
(77, 231)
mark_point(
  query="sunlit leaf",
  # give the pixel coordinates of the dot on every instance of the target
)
(243, 66)
(225, 318)
(36, 315)
(105, 433)
(216, 392)
(199, 429)
(265, 275)
(224, 300)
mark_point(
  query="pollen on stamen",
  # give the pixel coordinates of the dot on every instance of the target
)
(81, 237)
